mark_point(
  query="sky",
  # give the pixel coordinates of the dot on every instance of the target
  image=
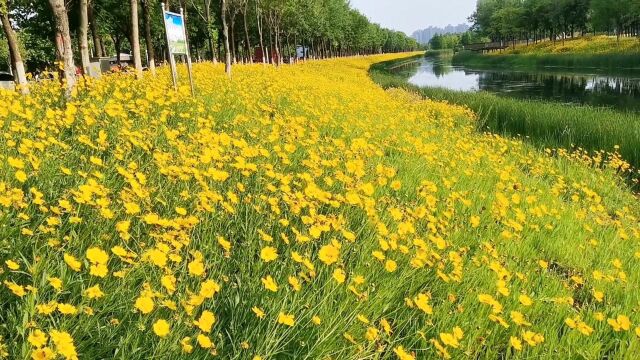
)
(411, 15)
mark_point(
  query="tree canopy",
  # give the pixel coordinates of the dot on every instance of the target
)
(505, 20)
(324, 27)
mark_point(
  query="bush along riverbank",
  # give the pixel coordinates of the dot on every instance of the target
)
(546, 124)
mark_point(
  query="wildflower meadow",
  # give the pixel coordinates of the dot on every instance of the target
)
(302, 212)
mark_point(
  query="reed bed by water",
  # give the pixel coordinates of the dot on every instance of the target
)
(548, 124)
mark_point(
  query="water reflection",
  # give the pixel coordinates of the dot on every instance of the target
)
(568, 87)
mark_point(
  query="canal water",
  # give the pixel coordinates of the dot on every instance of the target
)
(565, 85)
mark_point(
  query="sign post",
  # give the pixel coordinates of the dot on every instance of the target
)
(176, 31)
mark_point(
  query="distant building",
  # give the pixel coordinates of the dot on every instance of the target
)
(425, 35)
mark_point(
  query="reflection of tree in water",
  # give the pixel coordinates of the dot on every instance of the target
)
(442, 68)
(405, 69)
(591, 90)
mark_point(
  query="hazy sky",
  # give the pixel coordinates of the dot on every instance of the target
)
(411, 15)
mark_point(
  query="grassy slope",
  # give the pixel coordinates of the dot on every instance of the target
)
(309, 155)
(599, 52)
(546, 124)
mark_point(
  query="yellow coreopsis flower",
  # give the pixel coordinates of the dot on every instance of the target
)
(329, 254)
(269, 283)
(161, 328)
(268, 254)
(145, 304)
(286, 319)
(206, 321)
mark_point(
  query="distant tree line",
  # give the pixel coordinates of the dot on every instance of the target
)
(455, 41)
(38, 33)
(533, 20)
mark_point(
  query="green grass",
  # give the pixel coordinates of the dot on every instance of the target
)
(546, 124)
(617, 62)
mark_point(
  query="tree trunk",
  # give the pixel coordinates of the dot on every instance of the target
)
(151, 55)
(259, 20)
(116, 43)
(97, 42)
(207, 15)
(16, 57)
(234, 53)
(84, 41)
(64, 43)
(135, 39)
(247, 42)
(225, 30)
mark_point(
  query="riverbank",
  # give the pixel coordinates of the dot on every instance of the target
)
(615, 63)
(594, 53)
(546, 124)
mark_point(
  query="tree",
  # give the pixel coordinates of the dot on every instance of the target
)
(14, 50)
(151, 56)
(63, 43)
(82, 34)
(135, 38)
(225, 32)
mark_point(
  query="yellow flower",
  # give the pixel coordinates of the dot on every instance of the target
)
(329, 254)
(396, 185)
(269, 283)
(259, 312)
(518, 318)
(96, 255)
(475, 221)
(390, 266)
(286, 319)
(339, 275)
(268, 254)
(295, 283)
(99, 270)
(67, 309)
(169, 283)
(21, 176)
(206, 321)
(44, 353)
(16, 289)
(64, 344)
(532, 338)
(316, 320)
(196, 267)
(525, 300)
(515, 343)
(37, 338)
(161, 328)
(144, 304)
(204, 341)
(598, 295)
(422, 302)
(621, 323)
(94, 292)
(186, 346)
(12, 265)
(72, 262)
(403, 354)
(55, 282)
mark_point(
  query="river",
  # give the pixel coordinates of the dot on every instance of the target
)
(565, 85)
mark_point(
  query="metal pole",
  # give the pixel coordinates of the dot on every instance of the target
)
(172, 61)
(188, 54)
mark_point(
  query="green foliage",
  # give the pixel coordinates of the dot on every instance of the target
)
(537, 19)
